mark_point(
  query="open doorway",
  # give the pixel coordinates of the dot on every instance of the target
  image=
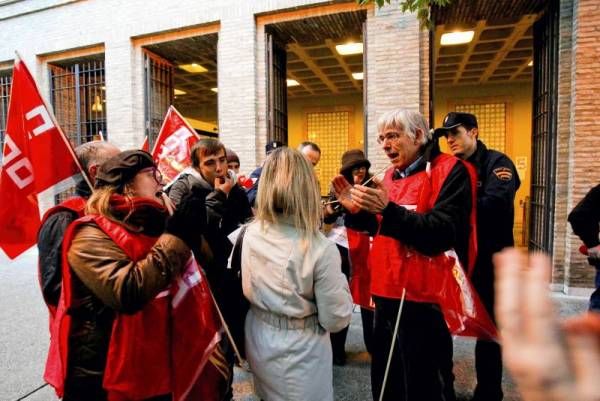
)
(315, 74)
(485, 61)
(183, 73)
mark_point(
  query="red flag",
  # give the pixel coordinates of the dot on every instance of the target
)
(199, 370)
(145, 145)
(38, 163)
(171, 151)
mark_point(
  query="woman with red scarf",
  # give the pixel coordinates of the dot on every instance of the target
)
(120, 260)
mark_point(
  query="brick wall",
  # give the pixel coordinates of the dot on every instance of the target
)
(561, 253)
(393, 70)
(585, 102)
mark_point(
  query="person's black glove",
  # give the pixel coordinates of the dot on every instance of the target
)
(189, 219)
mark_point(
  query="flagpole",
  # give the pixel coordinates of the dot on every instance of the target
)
(84, 173)
(389, 361)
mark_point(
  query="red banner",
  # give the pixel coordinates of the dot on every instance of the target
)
(171, 151)
(38, 162)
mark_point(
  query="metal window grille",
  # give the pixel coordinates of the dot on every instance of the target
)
(545, 95)
(491, 118)
(5, 84)
(77, 93)
(277, 127)
(330, 130)
(158, 93)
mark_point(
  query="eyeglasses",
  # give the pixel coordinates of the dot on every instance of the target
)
(390, 136)
(158, 177)
(361, 169)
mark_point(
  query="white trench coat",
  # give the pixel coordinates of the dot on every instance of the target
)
(298, 295)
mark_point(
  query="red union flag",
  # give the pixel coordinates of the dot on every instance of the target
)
(38, 162)
(171, 152)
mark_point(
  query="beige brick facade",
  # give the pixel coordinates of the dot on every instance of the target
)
(396, 75)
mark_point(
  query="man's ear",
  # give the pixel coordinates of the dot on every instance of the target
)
(92, 170)
(419, 135)
(476, 132)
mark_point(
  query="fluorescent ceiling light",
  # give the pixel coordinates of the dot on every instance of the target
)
(349, 48)
(357, 75)
(216, 90)
(292, 82)
(193, 68)
(456, 38)
(178, 92)
(530, 63)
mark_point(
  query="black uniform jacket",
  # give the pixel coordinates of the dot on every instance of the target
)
(497, 183)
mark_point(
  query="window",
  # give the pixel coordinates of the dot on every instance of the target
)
(78, 96)
(491, 118)
(5, 84)
(330, 130)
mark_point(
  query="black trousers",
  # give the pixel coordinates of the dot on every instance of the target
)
(368, 318)
(488, 354)
(421, 364)
(338, 340)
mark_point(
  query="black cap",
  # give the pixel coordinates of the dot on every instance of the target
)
(453, 120)
(120, 169)
(272, 145)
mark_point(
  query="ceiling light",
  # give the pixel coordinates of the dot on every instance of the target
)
(292, 82)
(178, 92)
(349, 48)
(357, 75)
(216, 90)
(193, 68)
(456, 38)
(530, 64)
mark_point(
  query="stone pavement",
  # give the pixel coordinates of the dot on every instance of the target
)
(24, 341)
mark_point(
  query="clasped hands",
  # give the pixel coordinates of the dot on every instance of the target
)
(359, 197)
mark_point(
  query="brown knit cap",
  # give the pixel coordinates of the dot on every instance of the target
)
(353, 158)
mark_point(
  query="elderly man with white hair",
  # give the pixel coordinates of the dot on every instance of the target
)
(424, 202)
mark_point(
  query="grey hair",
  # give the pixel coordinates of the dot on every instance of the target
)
(309, 144)
(408, 121)
(94, 153)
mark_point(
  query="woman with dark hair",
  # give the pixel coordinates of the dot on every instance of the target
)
(112, 336)
(355, 170)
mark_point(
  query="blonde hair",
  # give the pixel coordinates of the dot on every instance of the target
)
(288, 188)
(408, 121)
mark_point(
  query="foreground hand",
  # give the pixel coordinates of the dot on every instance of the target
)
(547, 362)
(168, 203)
(373, 200)
(341, 189)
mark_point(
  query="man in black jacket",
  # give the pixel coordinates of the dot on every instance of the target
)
(91, 155)
(227, 208)
(422, 358)
(497, 184)
(585, 220)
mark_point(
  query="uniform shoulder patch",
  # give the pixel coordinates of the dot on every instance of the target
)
(503, 173)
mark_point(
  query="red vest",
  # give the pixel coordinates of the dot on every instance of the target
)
(76, 205)
(142, 361)
(360, 280)
(395, 265)
(435, 279)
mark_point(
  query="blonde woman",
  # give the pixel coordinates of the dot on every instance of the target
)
(291, 274)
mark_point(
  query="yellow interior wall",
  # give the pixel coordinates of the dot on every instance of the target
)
(297, 109)
(518, 129)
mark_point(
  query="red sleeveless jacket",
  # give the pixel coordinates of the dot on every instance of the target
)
(435, 279)
(161, 349)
